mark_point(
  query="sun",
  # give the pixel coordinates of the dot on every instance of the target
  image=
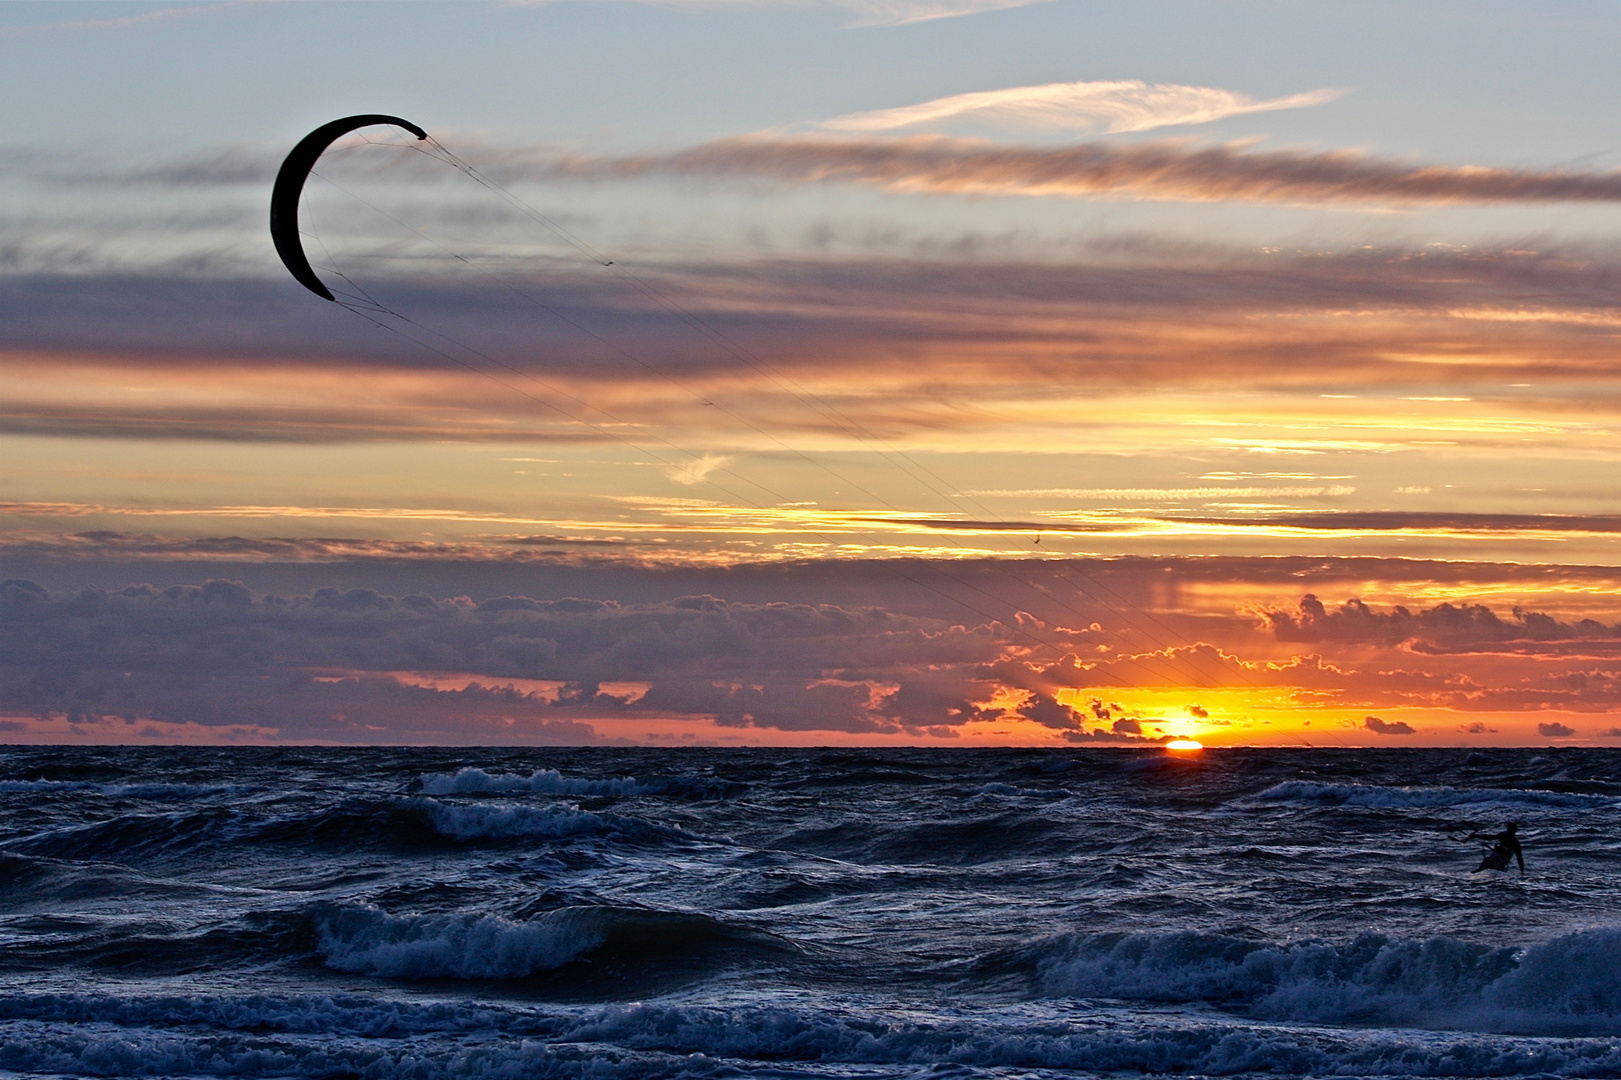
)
(1184, 744)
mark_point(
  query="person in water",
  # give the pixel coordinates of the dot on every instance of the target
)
(1505, 845)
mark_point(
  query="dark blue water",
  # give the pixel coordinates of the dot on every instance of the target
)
(805, 913)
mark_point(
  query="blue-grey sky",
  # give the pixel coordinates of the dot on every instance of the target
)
(1482, 82)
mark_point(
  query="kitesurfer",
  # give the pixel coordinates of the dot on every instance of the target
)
(1505, 845)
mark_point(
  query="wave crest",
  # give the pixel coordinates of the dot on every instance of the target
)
(471, 781)
(1563, 986)
(368, 941)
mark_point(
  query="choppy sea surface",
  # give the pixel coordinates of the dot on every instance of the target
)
(805, 913)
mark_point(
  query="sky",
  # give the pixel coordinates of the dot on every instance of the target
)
(880, 372)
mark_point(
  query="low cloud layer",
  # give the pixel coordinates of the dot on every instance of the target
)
(359, 665)
(319, 666)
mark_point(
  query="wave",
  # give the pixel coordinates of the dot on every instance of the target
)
(1566, 986)
(505, 822)
(1374, 796)
(342, 1035)
(128, 837)
(27, 884)
(412, 823)
(121, 791)
(470, 781)
(998, 788)
(365, 940)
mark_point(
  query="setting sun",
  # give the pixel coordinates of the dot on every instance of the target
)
(1184, 744)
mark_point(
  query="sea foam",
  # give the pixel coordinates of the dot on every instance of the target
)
(1565, 986)
(471, 781)
(508, 821)
(363, 939)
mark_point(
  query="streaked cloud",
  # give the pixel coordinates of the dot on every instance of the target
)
(879, 13)
(939, 165)
(1167, 494)
(122, 22)
(935, 164)
(1074, 107)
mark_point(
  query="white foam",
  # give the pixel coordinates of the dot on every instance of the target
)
(12, 787)
(461, 821)
(470, 781)
(365, 940)
(317, 1035)
(1564, 986)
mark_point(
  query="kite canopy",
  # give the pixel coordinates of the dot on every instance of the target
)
(290, 185)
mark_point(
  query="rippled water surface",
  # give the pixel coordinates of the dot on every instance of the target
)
(805, 913)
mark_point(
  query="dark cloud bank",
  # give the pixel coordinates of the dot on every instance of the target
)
(319, 666)
(313, 666)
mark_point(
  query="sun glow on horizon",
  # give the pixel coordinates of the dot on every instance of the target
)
(1184, 745)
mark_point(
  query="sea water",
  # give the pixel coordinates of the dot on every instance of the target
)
(606, 913)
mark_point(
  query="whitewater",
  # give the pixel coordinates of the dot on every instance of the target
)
(607, 913)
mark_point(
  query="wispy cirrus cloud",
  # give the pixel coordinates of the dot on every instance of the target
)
(1107, 107)
(123, 22)
(867, 14)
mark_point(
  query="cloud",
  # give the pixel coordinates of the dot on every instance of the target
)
(1448, 624)
(868, 13)
(697, 470)
(854, 649)
(876, 339)
(1085, 107)
(1555, 730)
(1387, 727)
(879, 13)
(121, 22)
(1401, 520)
(327, 664)
(926, 164)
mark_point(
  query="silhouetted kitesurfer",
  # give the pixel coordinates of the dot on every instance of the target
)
(1505, 846)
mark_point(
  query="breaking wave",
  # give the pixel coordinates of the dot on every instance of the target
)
(362, 939)
(1566, 986)
(470, 781)
(367, 941)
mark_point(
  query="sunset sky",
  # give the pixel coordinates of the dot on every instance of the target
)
(963, 372)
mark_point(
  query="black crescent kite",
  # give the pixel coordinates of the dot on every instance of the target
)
(290, 185)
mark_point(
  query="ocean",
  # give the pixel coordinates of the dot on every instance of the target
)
(787, 913)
